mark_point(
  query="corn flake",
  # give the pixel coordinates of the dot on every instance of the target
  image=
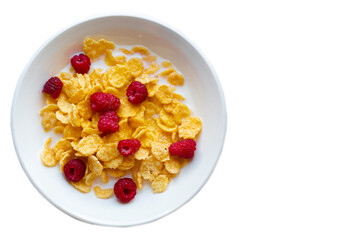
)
(176, 79)
(94, 49)
(160, 183)
(190, 127)
(89, 144)
(94, 165)
(108, 152)
(47, 155)
(136, 66)
(103, 193)
(140, 49)
(164, 94)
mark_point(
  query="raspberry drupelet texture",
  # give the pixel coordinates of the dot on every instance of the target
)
(136, 92)
(74, 170)
(53, 86)
(81, 63)
(108, 122)
(128, 147)
(184, 148)
(103, 102)
(125, 189)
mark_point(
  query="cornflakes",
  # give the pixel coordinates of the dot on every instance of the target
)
(136, 66)
(103, 193)
(159, 121)
(176, 79)
(47, 155)
(190, 127)
(160, 183)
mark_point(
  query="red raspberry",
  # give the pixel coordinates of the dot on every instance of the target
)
(74, 170)
(125, 189)
(81, 63)
(184, 148)
(108, 122)
(128, 147)
(136, 92)
(103, 102)
(53, 86)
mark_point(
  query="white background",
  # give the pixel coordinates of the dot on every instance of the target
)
(290, 71)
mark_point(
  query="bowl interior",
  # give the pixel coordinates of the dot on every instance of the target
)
(201, 88)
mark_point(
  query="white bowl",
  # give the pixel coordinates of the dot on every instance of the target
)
(206, 99)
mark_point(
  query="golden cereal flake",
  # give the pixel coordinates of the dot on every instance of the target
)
(114, 163)
(94, 165)
(59, 129)
(167, 118)
(89, 178)
(176, 79)
(160, 183)
(136, 66)
(72, 132)
(94, 49)
(172, 166)
(165, 127)
(142, 50)
(78, 96)
(65, 76)
(145, 78)
(160, 151)
(190, 127)
(84, 109)
(127, 163)
(49, 121)
(74, 117)
(63, 144)
(166, 64)
(110, 60)
(150, 168)
(149, 59)
(128, 109)
(141, 154)
(89, 144)
(108, 152)
(125, 131)
(167, 72)
(103, 193)
(62, 117)
(138, 179)
(81, 186)
(63, 103)
(153, 68)
(117, 76)
(126, 51)
(180, 112)
(49, 108)
(164, 94)
(47, 155)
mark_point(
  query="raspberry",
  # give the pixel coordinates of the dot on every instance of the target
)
(81, 63)
(184, 148)
(74, 170)
(128, 147)
(53, 86)
(103, 102)
(136, 92)
(108, 122)
(125, 189)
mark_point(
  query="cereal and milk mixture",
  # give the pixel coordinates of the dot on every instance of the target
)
(118, 121)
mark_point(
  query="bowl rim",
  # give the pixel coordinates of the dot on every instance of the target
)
(109, 15)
